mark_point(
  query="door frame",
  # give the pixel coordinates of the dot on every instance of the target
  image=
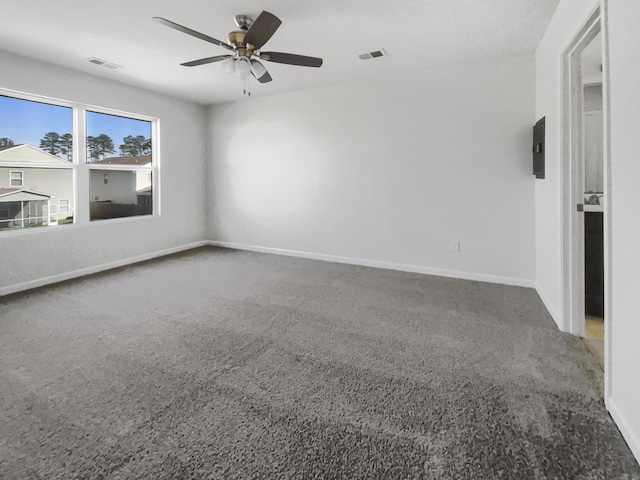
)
(573, 313)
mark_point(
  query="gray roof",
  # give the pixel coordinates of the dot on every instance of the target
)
(4, 192)
(134, 160)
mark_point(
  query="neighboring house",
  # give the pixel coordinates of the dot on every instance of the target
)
(25, 168)
(121, 193)
(122, 186)
(20, 207)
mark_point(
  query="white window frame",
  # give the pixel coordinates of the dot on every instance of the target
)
(79, 204)
(154, 168)
(11, 179)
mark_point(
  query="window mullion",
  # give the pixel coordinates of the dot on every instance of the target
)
(81, 199)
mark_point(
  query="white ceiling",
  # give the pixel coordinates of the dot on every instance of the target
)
(416, 34)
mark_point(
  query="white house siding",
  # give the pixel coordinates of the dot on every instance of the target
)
(121, 186)
(52, 181)
(143, 179)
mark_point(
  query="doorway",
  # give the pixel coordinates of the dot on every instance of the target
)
(594, 198)
(586, 189)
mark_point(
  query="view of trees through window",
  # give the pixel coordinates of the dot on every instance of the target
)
(56, 144)
(118, 191)
(133, 137)
(37, 164)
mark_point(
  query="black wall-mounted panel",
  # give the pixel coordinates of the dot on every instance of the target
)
(538, 148)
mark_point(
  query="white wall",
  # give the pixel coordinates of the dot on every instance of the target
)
(566, 22)
(593, 98)
(52, 253)
(386, 172)
(624, 38)
(55, 182)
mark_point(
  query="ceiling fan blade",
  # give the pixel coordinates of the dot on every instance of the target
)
(262, 29)
(291, 59)
(193, 33)
(258, 71)
(204, 61)
(266, 78)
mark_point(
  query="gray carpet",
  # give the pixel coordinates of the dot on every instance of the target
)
(226, 364)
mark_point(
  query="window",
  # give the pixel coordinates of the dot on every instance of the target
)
(119, 156)
(35, 150)
(144, 199)
(63, 206)
(16, 178)
(119, 197)
(42, 150)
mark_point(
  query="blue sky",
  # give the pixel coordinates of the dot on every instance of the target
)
(24, 121)
(116, 127)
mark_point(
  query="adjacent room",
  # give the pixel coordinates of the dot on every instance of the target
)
(319, 239)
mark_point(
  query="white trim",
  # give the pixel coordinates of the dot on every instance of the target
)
(518, 282)
(34, 97)
(75, 225)
(572, 183)
(552, 311)
(632, 441)
(573, 275)
(41, 282)
(608, 212)
(34, 165)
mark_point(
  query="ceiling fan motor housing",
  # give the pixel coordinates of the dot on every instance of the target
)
(236, 38)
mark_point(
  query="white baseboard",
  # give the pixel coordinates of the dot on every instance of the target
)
(40, 282)
(552, 311)
(518, 282)
(631, 439)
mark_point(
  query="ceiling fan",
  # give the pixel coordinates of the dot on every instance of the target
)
(245, 44)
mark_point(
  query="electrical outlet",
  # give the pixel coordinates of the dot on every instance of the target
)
(455, 246)
(242, 227)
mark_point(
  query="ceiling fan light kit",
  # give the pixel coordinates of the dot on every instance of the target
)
(229, 65)
(243, 66)
(246, 43)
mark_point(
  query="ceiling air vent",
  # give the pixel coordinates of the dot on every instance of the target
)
(378, 53)
(104, 63)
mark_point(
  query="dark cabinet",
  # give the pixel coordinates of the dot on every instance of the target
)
(594, 264)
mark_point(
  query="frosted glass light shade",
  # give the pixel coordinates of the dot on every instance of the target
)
(229, 65)
(243, 65)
